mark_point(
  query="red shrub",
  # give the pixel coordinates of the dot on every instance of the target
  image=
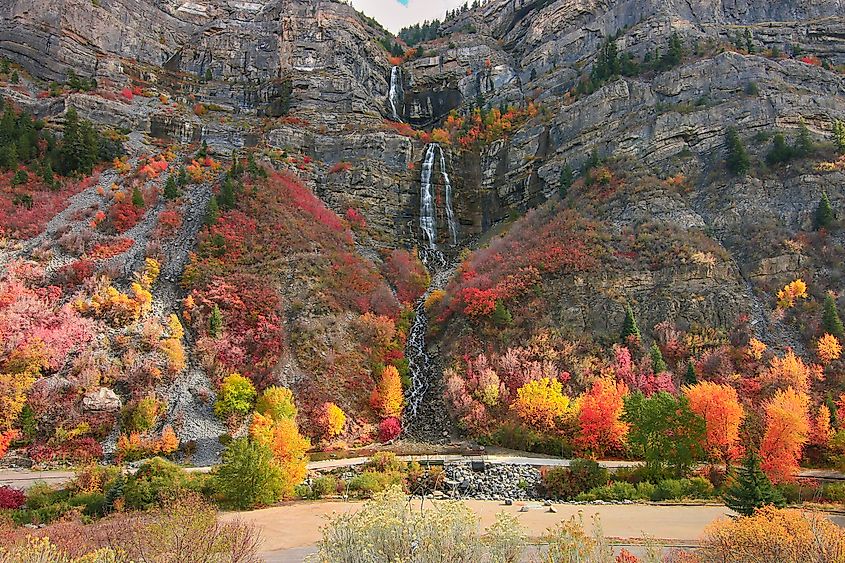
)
(11, 498)
(389, 429)
(125, 215)
(110, 249)
(78, 450)
(127, 94)
(355, 218)
(169, 222)
(74, 274)
(341, 166)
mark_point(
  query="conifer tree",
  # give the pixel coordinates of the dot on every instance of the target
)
(830, 318)
(170, 190)
(215, 322)
(629, 327)
(833, 409)
(137, 197)
(751, 488)
(824, 213)
(690, 377)
(182, 178)
(839, 135)
(213, 211)
(804, 143)
(566, 178)
(658, 364)
(227, 194)
(737, 157)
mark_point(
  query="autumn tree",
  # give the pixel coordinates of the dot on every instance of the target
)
(540, 403)
(750, 488)
(664, 431)
(236, 396)
(169, 442)
(600, 428)
(719, 406)
(828, 348)
(276, 403)
(786, 432)
(790, 293)
(821, 430)
(791, 371)
(830, 318)
(388, 398)
(331, 420)
(289, 449)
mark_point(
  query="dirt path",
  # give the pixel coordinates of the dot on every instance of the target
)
(289, 531)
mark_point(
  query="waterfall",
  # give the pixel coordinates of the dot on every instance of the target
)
(394, 95)
(428, 220)
(447, 183)
(428, 217)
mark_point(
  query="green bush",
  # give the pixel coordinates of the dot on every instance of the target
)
(568, 482)
(40, 495)
(646, 490)
(834, 492)
(678, 489)
(618, 490)
(324, 485)
(92, 504)
(156, 481)
(236, 396)
(384, 462)
(249, 476)
(370, 482)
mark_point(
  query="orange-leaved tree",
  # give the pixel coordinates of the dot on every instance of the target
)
(791, 371)
(787, 431)
(541, 403)
(388, 398)
(599, 426)
(828, 348)
(289, 448)
(331, 420)
(719, 406)
(821, 431)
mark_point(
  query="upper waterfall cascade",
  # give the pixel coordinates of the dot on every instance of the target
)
(394, 96)
(428, 211)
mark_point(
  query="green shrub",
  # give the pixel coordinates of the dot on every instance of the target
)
(618, 490)
(568, 482)
(678, 489)
(324, 485)
(92, 504)
(384, 462)
(41, 495)
(236, 396)
(155, 481)
(834, 492)
(249, 476)
(370, 482)
(646, 490)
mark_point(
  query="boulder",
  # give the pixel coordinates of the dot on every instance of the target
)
(101, 400)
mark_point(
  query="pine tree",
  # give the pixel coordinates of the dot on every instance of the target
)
(737, 157)
(751, 489)
(213, 211)
(839, 135)
(824, 213)
(115, 492)
(804, 145)
(658, 364)
(830, 318)
(227, 194)
(137, 197)
(215, 322)
(170, 189)
(566, 178)
(833, 409)
(182, 178)
(780, 151)
(749, 44)
(629, 327)
(690, 377)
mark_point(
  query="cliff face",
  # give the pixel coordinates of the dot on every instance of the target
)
(307, 84)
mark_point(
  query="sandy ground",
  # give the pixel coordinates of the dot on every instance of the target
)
(289, 531)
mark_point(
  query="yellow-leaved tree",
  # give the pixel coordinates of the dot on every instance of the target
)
(541, 403)
(388, 398)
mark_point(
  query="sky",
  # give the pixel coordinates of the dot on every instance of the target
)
(396, 14)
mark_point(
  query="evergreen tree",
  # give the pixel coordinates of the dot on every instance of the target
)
(115, 492)
(501, 317)
(170, 189)
(804, 145)
(182, 178)
(751, 489)
(780, 151)
(593, 161)
(208, 75)
(47, 175)
(737, 158)
(227, 194)
(839, 135)
(215, 322)
(566, 178)
(830, 318)
(834, 410)
(690, 378)
(15, 78)
(674, 53)
(749, 44)
(213, 212)
(137, 197)
(658, 364)
(824, 213)
(629, 327)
